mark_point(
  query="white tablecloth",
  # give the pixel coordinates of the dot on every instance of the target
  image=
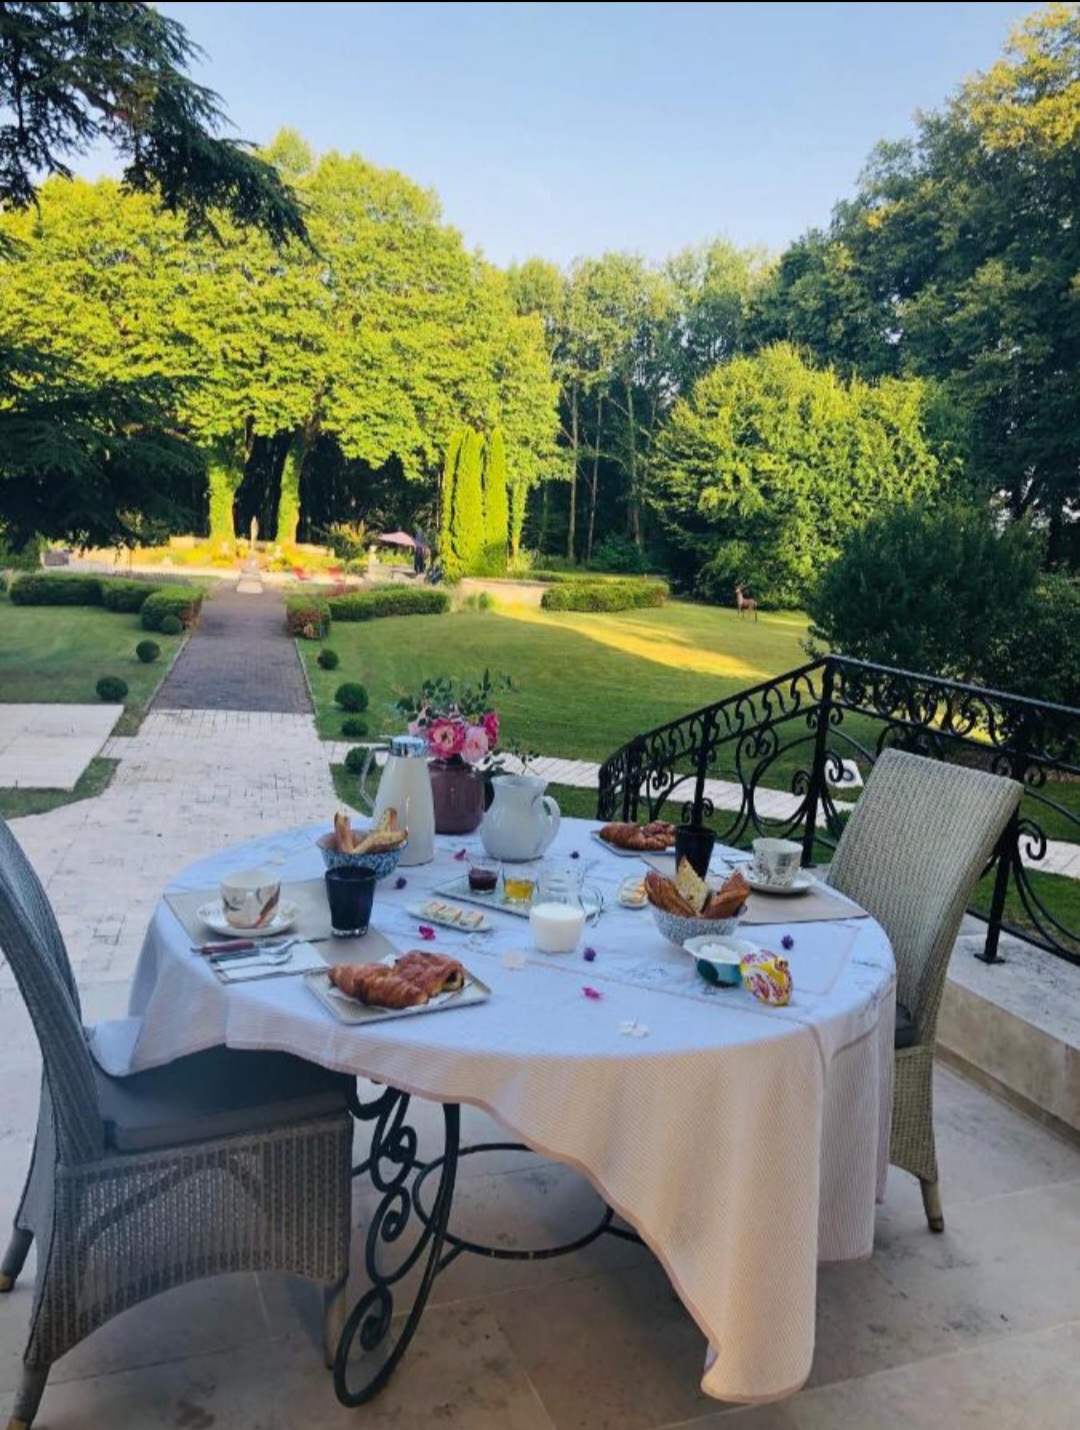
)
(743, 1143)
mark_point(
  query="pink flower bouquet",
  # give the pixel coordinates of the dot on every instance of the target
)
(456, 718)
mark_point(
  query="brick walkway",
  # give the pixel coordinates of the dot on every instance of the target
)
(239, 658)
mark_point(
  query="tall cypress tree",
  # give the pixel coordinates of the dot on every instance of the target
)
(446, 503)
(467, 509)
(496, 505)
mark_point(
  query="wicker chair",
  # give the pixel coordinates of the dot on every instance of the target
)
(224, 1161)
(917, 842)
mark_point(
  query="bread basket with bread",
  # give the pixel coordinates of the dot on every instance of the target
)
(378, 848)
(685, 907)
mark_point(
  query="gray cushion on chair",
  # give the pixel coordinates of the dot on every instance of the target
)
(217, 1093)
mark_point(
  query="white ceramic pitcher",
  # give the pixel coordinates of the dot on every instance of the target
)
(522, 820)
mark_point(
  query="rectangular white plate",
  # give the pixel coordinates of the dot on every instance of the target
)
(417, 912)
(349, 1010)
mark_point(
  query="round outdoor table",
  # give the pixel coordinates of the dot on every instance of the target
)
(743, 1143)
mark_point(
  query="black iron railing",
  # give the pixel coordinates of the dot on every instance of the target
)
(787, 757)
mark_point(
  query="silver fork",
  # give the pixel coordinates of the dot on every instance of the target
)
(270, 957)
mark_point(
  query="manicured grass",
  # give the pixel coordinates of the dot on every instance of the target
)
(94, 780)
(587, 682)
(55, 655)
(1060, 895)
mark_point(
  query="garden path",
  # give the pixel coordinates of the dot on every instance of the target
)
(239, 658)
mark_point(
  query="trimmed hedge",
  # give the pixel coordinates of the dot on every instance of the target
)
(352, 696)
(112, 689)
(34, 590)
(127, 596)
(183, 602)
(391, 601)
(307, 616)
(604, 595)
(148, 651)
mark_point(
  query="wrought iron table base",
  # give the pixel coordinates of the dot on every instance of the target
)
(399, 1176)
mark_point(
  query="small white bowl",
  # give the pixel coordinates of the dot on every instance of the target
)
(723, 956)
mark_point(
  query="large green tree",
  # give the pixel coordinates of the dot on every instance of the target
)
(768, 463)
(959, 259)
(379, 342)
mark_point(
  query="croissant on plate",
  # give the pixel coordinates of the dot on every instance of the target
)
(377, 986)
(649, 838)
(435, 973)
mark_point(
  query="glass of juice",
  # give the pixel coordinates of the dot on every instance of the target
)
(518, 886)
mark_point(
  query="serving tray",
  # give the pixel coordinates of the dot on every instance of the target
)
(349, 1010)
(592, 900)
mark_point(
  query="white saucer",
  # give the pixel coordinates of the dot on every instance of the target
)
(801, 884)
(213, 916)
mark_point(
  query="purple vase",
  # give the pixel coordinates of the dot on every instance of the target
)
(457, 792)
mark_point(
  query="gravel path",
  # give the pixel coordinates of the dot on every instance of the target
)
(239, 658)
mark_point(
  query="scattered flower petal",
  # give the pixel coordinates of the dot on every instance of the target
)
(400, 881)
(513, 960)
(461, 855)
(634, 1028)
(787, 941)
(589, 954)
(426, 931)
(593, 993)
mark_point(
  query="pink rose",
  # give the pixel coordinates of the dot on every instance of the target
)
(475, 746)
(491, 728)
(445, 738)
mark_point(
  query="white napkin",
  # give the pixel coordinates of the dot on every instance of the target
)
(303, 957)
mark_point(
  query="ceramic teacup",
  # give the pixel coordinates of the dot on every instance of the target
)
(250, 898)
(776, 862)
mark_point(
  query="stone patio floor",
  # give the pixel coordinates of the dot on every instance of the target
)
(976, 1328)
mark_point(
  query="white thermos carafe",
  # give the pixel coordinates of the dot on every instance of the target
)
(405, 786)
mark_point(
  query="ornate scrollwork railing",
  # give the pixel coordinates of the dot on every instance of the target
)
(779, 757)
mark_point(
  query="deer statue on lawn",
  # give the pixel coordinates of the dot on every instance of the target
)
(744, 603)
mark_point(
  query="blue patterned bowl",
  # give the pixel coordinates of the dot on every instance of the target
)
(380, 861)
(677, 928)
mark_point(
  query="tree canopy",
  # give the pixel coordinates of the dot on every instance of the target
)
(381, 340)
(72, 74)
(959, 260)
(768, 463)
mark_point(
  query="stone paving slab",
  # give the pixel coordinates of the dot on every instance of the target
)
(49, 746)
(191, 782)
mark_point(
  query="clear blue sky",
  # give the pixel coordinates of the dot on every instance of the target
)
(564, 129)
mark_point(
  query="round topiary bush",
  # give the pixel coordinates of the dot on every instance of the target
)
(354, 728)
(148, 651)
(112, 689)
(328, 659)
(171, 625)
(356, 759)
(352, 697)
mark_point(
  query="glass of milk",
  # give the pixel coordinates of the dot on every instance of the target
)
(557, 924)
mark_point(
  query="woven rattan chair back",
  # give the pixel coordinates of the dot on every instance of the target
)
(920, 836)
(33, 946)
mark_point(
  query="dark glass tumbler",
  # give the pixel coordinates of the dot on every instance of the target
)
(351, 892)
(694, 842)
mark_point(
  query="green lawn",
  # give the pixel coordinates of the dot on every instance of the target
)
(587, 682)
(56, 654)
